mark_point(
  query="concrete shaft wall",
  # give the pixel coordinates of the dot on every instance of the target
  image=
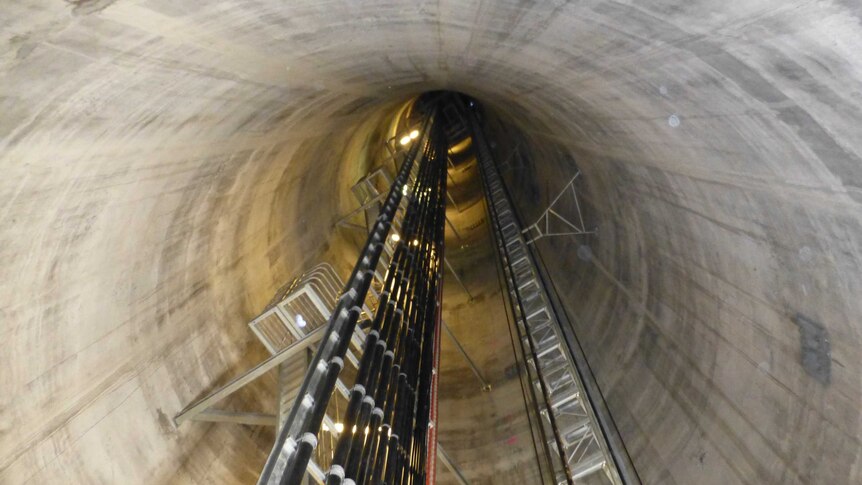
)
(167, 165)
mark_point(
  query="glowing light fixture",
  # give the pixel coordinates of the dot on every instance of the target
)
(414, 134)
(405, 189)
(405, 139)
(396, 237)
(339, 427)
(415, 242)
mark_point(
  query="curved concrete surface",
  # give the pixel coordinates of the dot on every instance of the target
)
(167, 166)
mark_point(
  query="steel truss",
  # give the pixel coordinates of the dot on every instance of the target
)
(553, 223)
(571, 437)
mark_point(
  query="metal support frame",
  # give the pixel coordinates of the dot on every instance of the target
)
(450, 465)
(391, 406)
(458, 279)
(345, 220)
(449, 196)
(253, 419)
(205, 403)
(573, 439)
(455, 231)
(293, 445)
(508, 162)
(366, 187)
(203, 409)
(485, 385)
(297, 440)
(316, 293)
(403, 451)
(306, 307)
(542, 226)
(368, 195)
(365, 181)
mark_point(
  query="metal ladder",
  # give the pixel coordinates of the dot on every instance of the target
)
(573, 441)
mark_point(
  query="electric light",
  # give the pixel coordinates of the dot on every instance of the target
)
(405, 140)
(339, 427)
(396, 237)
(415, 242)
(414, 134)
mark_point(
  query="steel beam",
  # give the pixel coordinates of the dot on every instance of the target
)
(485, 385)
(458, 279)
(238, 382)
(220, 416)
(450, 465)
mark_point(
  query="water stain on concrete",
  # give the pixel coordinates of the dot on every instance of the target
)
(165, 424)
(815, 349)
(86, 7)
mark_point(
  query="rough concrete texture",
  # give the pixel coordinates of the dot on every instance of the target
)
(167, 165)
